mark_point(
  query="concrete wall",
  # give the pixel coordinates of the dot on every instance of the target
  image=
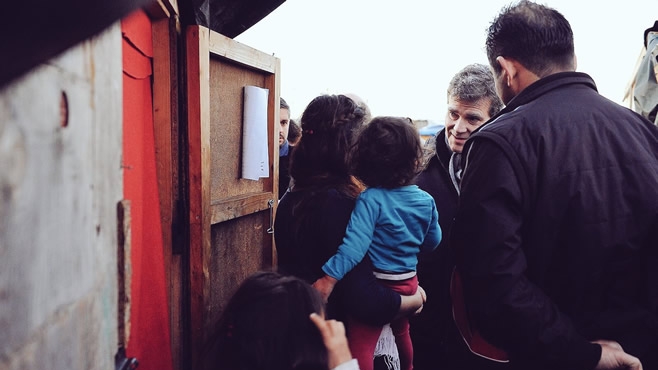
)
(60, 182)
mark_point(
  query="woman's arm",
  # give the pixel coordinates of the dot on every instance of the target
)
(363, 297)
(359, 294)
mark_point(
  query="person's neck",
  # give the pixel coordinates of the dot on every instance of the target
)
(524, 78)
(284, 149)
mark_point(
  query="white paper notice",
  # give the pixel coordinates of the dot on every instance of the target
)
(255, 160)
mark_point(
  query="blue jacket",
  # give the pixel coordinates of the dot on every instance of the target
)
(392, 226)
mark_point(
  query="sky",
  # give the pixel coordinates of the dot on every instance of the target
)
(399, 56)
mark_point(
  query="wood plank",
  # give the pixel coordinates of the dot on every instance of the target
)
(273, 83)
(160, 9)
(241, 53)
(237, 253)
(165, 121)
(164, 115)
(229, 208)
(177, 318)
(198, 131)
(227, 81)
(59, 225)
(123, 271)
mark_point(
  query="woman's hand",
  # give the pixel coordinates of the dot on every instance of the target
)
(333, 335)
(412, 304)
(423, 295)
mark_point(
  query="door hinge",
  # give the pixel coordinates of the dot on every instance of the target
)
(121, 362)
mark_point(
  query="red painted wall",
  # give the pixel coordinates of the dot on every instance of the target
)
(149, 339)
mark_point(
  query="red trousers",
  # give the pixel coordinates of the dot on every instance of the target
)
(363, 338)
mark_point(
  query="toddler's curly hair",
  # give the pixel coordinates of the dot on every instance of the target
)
(387, 153)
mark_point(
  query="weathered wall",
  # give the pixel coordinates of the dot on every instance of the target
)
(59, 189)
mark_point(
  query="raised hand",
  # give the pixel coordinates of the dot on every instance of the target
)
(333, 335)
(614, 357)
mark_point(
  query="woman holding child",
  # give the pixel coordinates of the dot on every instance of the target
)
(311, 218)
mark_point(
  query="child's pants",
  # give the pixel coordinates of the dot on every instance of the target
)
(363, 338)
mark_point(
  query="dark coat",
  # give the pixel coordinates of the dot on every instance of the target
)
(437, 343)
(284, 174)
(429, 328)
(306, 237)
(563, 188)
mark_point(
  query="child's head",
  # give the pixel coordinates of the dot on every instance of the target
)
(387, 153)
(266, 325)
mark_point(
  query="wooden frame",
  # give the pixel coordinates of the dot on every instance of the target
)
(165, 30)
(159, 9)
(198, 132)
(243, 55)
(222, 206)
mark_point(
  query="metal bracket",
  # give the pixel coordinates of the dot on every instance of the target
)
(121, 362)
(270, 205)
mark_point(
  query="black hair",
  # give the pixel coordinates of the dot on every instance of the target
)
(266, 325)
(283, 104)
(295, 132)
(320, 159)
(538, 37)
(387, 153)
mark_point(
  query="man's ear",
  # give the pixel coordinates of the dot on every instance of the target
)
(509, 69)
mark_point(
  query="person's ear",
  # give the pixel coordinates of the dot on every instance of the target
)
(509, 69)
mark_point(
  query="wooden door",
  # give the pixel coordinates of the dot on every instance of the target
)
(229, 217)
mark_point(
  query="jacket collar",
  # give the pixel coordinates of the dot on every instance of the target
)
(541, 87)
(284, 149)
(442, 150)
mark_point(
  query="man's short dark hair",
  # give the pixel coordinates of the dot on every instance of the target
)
(538, 37)
(283, 104)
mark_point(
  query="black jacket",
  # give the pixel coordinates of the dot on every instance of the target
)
(563, 188)
(436, 341)
(284, 174)
(307, 236)
(429, 328)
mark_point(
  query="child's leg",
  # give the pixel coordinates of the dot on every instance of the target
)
(362, 341)
(400, 329)
(400, 326)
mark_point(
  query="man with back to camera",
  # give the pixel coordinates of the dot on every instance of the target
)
(563, 187)
(284, 147)
(472, 100)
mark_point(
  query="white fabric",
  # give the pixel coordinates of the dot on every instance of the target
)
(394, 277)
(352, 364)
(386, 347)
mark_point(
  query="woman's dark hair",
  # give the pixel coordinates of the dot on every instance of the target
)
(538, 37)
(387, 153)
(320, 159)
(266, 325)
(294, 133)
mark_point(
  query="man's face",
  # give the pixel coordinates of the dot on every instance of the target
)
(284, 116)
(462, 118)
